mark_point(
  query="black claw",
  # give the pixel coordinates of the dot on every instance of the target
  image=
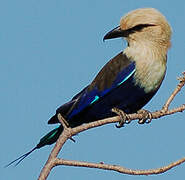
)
(148, 121)
(127, 121)
(142, 121)
(119, 125)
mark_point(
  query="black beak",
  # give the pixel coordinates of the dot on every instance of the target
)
(116, 33)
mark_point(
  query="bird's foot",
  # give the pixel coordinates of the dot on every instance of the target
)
(124, 118)
(147, 116)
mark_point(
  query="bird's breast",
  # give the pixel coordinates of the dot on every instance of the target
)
(149, 74)
(150, 63)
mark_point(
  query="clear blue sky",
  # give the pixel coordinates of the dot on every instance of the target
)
(50, 50)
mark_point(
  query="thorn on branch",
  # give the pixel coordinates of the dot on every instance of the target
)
(72, 139)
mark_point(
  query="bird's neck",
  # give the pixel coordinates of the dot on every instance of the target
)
(148, 50)
(150, 62)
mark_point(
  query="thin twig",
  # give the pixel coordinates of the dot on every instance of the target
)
(175, 92)
(118, 168)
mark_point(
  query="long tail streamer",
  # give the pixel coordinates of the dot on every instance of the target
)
(21, 158)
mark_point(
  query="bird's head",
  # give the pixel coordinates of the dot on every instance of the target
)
(143, 25)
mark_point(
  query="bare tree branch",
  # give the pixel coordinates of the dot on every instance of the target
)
(69, 132)
(118, 168)
(175, 92)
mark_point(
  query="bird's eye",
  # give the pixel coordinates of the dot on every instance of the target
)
(139, 27)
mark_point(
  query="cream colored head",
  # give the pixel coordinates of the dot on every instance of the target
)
(146, 24)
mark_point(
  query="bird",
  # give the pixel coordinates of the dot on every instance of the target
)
(127, 82)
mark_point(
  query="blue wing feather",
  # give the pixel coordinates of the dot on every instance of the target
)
(89, 97)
